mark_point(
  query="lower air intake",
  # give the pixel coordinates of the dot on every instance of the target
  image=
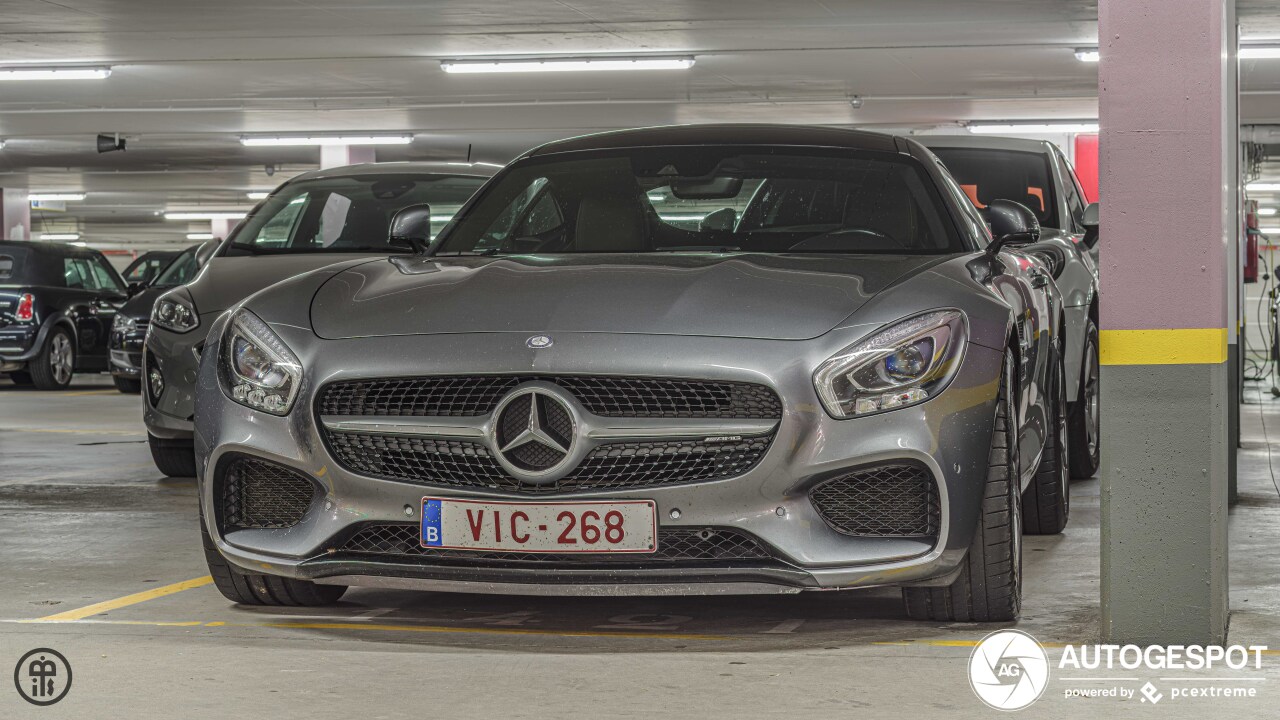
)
(258, 494)
(899, 500)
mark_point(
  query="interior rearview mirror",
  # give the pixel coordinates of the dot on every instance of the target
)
(411, 228)
(715, 188)
(1011, 223)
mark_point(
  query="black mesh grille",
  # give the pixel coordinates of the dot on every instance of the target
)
(674, 545)
(618, 465)
(257, 494)
(884, 501)
(606, 396)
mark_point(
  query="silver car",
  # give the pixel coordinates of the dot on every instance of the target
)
(702, 359)
(313, 220)
(1035, 173)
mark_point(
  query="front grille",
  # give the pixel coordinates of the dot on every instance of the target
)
(897, 500)
(456, 396)
(617, 465)
(259, 494)
(674, 545)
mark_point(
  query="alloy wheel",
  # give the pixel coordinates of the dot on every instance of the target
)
(60, 358)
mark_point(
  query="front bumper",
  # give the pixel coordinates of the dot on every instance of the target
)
(949, 435)
(126, 353)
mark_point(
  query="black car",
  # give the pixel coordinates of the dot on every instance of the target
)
(148, 266)
(57, 304)
(130, 327)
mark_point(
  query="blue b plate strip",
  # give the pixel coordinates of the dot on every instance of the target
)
(431, 535)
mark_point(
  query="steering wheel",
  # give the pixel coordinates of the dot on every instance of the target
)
(837, 240)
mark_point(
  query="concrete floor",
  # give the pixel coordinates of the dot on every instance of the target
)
(85, 518)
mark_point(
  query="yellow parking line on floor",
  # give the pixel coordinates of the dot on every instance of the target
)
(127, 600)
(89, 392)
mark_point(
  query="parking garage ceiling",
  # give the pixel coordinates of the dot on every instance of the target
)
(189, 79)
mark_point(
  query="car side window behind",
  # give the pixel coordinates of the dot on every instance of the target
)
(277, 231)
(1074, 195)
(6, 267)
(77, 274)
(104, 277)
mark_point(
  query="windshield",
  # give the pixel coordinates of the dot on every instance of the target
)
(760, 199)
(985, 175)
(180, 271)
(347, 214)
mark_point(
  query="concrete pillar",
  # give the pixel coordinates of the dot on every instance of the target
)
(1166, 98)
(339, 155)
(222, 227)
(15, 214)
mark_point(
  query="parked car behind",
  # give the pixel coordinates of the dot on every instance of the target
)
(57, 303)
(148, 266)
(1036, 174)
(836, 379)
(130, 327)
(313, 220)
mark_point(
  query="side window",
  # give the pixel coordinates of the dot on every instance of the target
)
(278, 230)
(6, 267)
(1075, 196)
(77, 274)
(542, 218)
(505, 226)
(104, 276)
(977, 226)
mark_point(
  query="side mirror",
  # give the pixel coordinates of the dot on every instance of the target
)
(1091, 222)
(134, 288)
(721, 220)
(1011, 223)
(411, 228)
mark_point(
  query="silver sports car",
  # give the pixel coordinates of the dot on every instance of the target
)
(704, 359)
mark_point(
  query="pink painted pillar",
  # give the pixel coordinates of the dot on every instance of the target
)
(1167, 95)
(222, 227)
(15, 215)
(340, 155)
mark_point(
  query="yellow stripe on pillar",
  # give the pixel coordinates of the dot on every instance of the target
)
(1193, 346)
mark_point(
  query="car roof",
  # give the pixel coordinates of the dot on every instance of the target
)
(727, 134)
(47, 248)
(387, 168)
(984, 142)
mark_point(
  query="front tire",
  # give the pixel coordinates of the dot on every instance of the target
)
(989, 586)
(254, 589)
(54, 366)
(1084, 423)
(128, 386)
(174, 458)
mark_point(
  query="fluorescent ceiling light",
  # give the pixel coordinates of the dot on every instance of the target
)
(1087, 54)
(53, 72)
(1269, 230)
(60, 236)
(55, 197)
(285, 140)
(566, 64)
(258, 194)
(1260, 52)
(1080, 126)
(199, 236)
(183, 215)
(1266, 211)
(1262, 187)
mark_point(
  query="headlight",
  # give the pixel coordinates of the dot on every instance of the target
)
(175, 312)
(259, 370)
(904, 364)
(124, 324)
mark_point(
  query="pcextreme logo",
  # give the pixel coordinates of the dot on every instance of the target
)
(1008, 670)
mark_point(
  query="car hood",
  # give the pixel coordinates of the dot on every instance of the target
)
(749, 296)
(225, 281)
(139, 306)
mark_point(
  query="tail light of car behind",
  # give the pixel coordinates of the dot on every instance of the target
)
(26, 311)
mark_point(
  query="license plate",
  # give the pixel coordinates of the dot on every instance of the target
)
(626, 526)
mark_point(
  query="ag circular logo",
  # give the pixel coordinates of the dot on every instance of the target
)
(537, 342)
(1008, 670)
(43, 676)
